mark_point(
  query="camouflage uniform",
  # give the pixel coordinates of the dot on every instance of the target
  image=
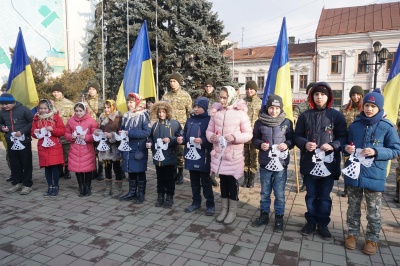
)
(250, 152)
(65, 110)
(181, 106)
(212, 98)
(299, 109)
(95, 106)
(374, 203)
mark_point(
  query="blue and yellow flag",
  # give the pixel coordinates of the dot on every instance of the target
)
(138, 75)
(20, 80)
(278, 80)
(391, 92)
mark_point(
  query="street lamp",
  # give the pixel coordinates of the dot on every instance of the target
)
(380, 57)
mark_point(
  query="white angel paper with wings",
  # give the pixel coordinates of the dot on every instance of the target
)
(123, 137)
(44, 133)
(192, 153)
(320, 158)
(356, 159)
(17, 145)
(79, 132)
(101, 138)
(275, 164)
(160, 146)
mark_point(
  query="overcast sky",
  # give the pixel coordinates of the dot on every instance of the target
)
(262, 19)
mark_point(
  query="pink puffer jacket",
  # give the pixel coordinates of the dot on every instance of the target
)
(230, 121)
(81, 158)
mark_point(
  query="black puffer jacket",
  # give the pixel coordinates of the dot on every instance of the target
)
(19, 118)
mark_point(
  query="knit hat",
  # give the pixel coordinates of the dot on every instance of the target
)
(6, 98)
(209, 82)
(176, 76)
(94, 85)
(374, 97)
(356, 89)
(309, 86)
(320, 89)
(4, 86)
(57, 87)
(202, 102)
(252, 85)
(274, 100)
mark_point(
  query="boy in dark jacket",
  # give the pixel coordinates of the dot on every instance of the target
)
(273, 136)
(320, 134)
(16, 122)
(372, 141)
(197, 156)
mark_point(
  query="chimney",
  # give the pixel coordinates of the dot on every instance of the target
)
(292, 40)
(250, 52)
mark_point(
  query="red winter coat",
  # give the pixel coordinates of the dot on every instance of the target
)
(81, 158)
(49, 155)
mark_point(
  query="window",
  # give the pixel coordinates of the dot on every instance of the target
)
(389, 61)
(236, 79)
(303, 81)
(260, 82)
(248, 79)
(362, 68)
(291, 81)
(336, 64)
(337, 96)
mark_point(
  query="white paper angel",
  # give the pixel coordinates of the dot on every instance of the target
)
(160, 146)
(123, 137)
(192, 153)
(222, 145)
(79, 132)
(319, 158)
(356, 159)
(44, 133)
(275, 164)
(101, 138)
(17, 145)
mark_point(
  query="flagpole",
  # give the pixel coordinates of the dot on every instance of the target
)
(102, 50)
(156, 52)
(127, 25)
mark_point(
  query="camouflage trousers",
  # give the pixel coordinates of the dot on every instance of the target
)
(65, 147)
(250, 158)
(398, 170)
(181, 161)
(373, 203)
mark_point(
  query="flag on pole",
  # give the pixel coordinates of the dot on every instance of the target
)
(391, 92)
(20, 80)
(278, 80)
(138, 75)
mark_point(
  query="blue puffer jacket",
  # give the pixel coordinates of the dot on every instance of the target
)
(383, 138)
(274, 135)
(138, 126)
(196, 127)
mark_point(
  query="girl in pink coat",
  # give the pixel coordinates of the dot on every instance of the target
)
(228, 130)
(81, 158)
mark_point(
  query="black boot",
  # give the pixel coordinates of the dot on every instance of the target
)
(61, 170)
(179, 177)
(344, 193)
(396, 197)
(100, 175)
(278, 223)
(160, 200)
(132, 190)
(88, 184)
(67, 175)
(214, 181)
(303, 186)
(263, 219)
(140, 192)
(245, 179)
(79, 178)
(250, 183)
(169, 201)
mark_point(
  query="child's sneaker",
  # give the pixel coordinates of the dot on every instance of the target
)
(25, 190)
(54, 192)
(48, 192)
(15, 188)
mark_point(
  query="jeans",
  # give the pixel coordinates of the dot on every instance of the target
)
(204, 177)
(273, 180)
(318, 199)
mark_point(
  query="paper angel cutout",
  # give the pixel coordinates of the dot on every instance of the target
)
(319, 158)
(123, 137)
(275, 164)
(356, 159)
(79, 132)
(17, 141)
(160, 146)
(222, 145)
(44, 133)
(101, 138)
(192, 153)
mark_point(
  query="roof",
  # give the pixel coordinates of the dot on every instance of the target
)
(267, 52)
(359, 19)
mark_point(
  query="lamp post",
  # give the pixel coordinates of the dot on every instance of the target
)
(380, 57)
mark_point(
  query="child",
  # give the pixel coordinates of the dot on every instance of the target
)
(16, 123)
(136, 124)
(228, 130)
(273, 136)
(48, 127)
(372, 141)
(81, 158)
(110, 123)
(164, 135)
(197, 155)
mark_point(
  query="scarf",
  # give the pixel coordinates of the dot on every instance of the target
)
(113, 107)
(368, 121)
(272, 121)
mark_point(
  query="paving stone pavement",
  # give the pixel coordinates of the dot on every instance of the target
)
(98, 230)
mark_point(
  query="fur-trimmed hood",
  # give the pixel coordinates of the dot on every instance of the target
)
(161, 105)
(330, 96)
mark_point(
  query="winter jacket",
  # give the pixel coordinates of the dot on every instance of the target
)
(138, 126)
(19, 118)
(383, 138)
(165, 129)
(181, 103)
(52, 155)
(81, 158)
(65, 108)
(274, 135)
(350, 115)
(230, 121)
(196, 127)
(111, 124)
(322, 126)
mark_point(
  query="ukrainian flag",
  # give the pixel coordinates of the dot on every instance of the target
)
(138, 75)
(278, 80)
(20, 80)
(391, 92)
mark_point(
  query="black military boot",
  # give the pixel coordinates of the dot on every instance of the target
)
(250, 183)
(344, 193)
(100, 174)
(396, 196)
(263, 219)
(67, 174)
(245, 179)
(179, 177)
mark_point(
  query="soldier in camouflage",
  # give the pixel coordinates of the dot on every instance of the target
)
(65, 110)
(250, 152)
(351, 111)
(181, 106)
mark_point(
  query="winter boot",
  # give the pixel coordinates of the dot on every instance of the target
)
(88, 184)
(245, 179)
(100, 175)
(160, 200)
(169, 201)
(67, 174)
(303, 186)
(224, 210)
(48, 192)
(132, 190)
(61, 170)
(179, 177)
(140, 192)
(79, 178)
(108, 189)
(263, 219)
(214, 181)
(278, 223)
(54, 192)
(396, 196)
(250, 183)
(344, 193)
(117, 191)
(230, 217)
